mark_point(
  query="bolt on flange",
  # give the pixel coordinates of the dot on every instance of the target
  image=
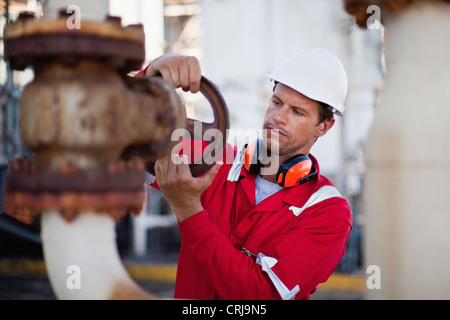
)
(78, 115)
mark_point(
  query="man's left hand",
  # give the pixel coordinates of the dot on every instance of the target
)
(179, 187)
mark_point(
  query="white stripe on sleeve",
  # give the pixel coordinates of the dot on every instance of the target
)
(267, 264)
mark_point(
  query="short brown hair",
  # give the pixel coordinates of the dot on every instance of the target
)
(324, 112)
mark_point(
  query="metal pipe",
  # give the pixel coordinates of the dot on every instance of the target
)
(93, 131)
(77, 116)
(408, 159)
(82, 260)
(18, 230)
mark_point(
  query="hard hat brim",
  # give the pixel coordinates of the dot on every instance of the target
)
(333, 109)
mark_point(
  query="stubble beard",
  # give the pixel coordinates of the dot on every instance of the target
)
(279, 150)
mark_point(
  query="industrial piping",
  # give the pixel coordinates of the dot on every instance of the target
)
(93, 131)
(406, 193)
(82, 259)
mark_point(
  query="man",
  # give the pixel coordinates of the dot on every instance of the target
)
(245, 236)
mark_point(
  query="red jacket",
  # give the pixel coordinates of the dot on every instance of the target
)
(281, 248)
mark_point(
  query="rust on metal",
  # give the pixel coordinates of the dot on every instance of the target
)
(31, 42)
(25, 206)
(221, 123)
(92, 129)
(116, 189)
(167, 119)
(118, 175)
(80, 113)
(88, 114)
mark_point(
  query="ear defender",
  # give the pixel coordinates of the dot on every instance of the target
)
(294, 171)
(251, 154)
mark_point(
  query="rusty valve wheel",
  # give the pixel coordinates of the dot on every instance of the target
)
(221, 123)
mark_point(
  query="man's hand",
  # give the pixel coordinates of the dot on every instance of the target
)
(180, 71)
(179, 187)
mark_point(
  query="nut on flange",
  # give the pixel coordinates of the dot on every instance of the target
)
(30, 41)
(116, 189)
(80, 113)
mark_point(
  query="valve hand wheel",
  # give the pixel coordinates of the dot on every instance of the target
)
(221, 123)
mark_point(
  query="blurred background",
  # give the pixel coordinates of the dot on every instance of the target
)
(237, 43)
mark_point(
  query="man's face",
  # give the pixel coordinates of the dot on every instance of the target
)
(292, 120)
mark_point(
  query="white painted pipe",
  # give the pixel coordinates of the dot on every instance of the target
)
(89, 10)
(407, 199)
(82, 259)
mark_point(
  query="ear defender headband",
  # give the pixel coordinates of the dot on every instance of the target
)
(294, 171)
(251, 154)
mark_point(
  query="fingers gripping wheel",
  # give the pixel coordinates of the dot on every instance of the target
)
(221, 123)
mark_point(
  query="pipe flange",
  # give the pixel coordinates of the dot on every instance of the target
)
(117, 190)
(32, 42)
(118, 175)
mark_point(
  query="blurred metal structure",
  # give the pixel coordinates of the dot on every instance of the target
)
(156, 214)
(93, 131)
(9, 99)
(73, 119)
(406, 194)
(358, 8)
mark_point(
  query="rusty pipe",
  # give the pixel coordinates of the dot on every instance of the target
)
(77, 116)
(407, 162)
(93, 131)
(80, 112)
(88, 114)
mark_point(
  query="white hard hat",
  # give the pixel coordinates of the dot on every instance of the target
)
(317, 74)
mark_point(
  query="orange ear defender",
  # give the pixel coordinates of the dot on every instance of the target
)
(251, 160)
(294, 171)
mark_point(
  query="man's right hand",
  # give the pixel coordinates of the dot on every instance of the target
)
(180, 71)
